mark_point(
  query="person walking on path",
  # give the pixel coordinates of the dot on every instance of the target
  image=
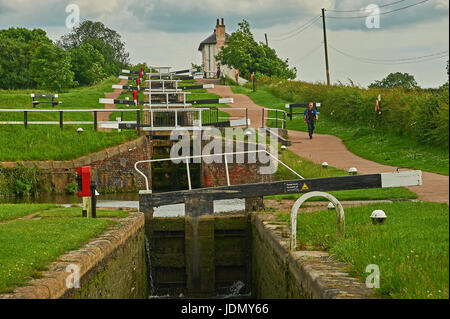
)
(218, 72)
(310, 117)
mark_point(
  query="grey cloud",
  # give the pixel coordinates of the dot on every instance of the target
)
(169, 16)
(422, 13)
(32, 14)
(173, 16)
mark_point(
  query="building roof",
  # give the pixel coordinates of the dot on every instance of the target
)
(210, 40)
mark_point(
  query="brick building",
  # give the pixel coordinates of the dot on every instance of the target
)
(211, 46)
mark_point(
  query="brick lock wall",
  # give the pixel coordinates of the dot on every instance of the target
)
(117, 173)
(214, 174)
(112, 168)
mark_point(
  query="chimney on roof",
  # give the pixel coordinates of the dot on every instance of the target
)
(220, 35)
(218, 24)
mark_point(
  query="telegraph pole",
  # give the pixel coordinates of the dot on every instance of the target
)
(267, 41)
(326, 46)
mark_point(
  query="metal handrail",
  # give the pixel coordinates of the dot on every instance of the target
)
(186, 158)
(299, 202)
(283, 120)
(61, 121)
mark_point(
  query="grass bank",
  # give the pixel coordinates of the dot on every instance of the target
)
(14, 211)
(48, 142)
(311, 170)
(376, 145)
(29, 246)
(411, 249)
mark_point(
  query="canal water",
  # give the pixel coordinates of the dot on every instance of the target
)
(125, 200)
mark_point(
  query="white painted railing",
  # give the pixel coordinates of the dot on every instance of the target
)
(339, 213)
(187, 158)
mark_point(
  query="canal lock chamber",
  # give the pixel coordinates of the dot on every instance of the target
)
(199, 256)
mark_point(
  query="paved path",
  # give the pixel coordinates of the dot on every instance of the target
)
(328, 148)
(104, 116)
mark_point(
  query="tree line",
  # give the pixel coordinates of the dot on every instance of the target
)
(30, 59)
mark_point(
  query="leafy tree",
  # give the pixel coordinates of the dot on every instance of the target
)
(107, 41)
(51, 68)
(244, 53)
(87, 64)
(25, 35)
(138, 67)
(16, 47)
(197, 67)
(396, 80)
(14, 64)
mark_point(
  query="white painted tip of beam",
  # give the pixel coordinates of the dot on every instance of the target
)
(32, 95)
(126, 71)
(144, 192)
(109, 125)
(208, 86)
(401, 179)
(106, 101)
(123, 77)
(286, 106)
(198, 76)
(116, 86)
(239, 122)
(226, 100)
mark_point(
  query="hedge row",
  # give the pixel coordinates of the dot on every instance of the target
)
(422, 115)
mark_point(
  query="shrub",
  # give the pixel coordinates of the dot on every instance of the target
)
(20, 181)
(421, 114)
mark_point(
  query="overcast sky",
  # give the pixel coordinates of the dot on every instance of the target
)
(168, 32)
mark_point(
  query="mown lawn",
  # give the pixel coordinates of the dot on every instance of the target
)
(77, 98)
(13, 211)
(311, 170)
(382, 147)
(411, 249)
(48, 142)
(29, 246)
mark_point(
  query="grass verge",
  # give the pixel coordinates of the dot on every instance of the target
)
(13, 211)
(411, 249)
(29, 246)
(311, 170)
(378, 146)
(45, 142)
(48, 142)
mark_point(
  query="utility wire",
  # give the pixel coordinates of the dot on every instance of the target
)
(300, 29)
(360, 10)
(304, 28)
(418, 59)
(381, 13)
(309, 53)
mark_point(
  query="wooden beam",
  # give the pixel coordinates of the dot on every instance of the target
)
(327, 184)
